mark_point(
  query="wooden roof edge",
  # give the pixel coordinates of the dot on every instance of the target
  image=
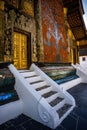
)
(74, 4)
(83, 38)
(83, 23)
(81, 5)
(82, 46)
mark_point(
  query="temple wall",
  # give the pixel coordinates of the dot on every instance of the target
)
(54, 34)
(18, 16)
(44, 20)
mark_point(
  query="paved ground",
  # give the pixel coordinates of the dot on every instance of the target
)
(77, 120)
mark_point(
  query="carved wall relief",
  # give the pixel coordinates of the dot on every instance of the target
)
(14, 19)
(2, 5)
(27, 24)
(7, 36)
(28, 7)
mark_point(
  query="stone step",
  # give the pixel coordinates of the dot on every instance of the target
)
(51, 98)
(55, 101)
(43, 87)
(40, 84)
(63, 110)
(37, 82)
(48, 94)
(33, 79)
(30, 76)
(24, 71)
(29, 73)
(46, 90)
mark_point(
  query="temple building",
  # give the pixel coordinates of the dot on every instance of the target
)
(43, 65)
(41, 31)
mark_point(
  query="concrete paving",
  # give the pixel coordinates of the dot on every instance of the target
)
(77, 120)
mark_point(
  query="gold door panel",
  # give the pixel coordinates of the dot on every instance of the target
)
(20, 50)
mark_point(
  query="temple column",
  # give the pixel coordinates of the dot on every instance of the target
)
(39, 39)
(1, 31)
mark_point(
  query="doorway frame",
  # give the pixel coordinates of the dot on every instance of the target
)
(29, 52)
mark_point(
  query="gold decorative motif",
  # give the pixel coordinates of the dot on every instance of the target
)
(2, 5)
(28, 8)
(20, 50)
(15, 3)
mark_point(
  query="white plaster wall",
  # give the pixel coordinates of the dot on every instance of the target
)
(83, 63)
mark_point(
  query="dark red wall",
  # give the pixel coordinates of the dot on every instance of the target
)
(54, 35)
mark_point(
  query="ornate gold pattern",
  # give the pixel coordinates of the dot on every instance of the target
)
(28, 8)
(20, 50)
(1, 5)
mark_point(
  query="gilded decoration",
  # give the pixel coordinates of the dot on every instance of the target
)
(1, 5)
(20, 50)
(17, 20)
(28, 8)
(7, 34)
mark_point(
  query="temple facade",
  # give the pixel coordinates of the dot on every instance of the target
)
(40, 31)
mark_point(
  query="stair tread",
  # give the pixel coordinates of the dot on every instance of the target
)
(63, 110)
(26, 71)
(43, 87)
(48, 94)
(30, 76)
(56, 101)
(36, 82)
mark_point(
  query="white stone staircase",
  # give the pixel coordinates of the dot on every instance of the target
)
(81, 71)
(43, 99)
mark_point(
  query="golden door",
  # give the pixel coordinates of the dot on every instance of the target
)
(20, 50)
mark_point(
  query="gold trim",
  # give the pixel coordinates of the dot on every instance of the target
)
(20, 50)
(2, 5)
